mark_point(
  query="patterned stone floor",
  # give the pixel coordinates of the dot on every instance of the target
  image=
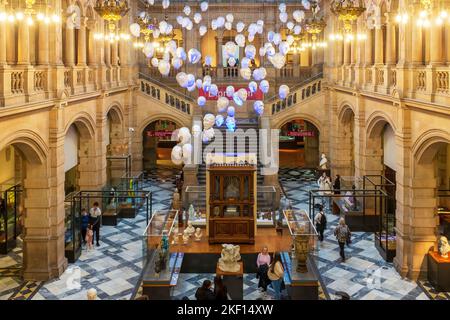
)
(114, 268)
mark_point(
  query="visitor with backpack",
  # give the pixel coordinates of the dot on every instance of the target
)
(321, 223)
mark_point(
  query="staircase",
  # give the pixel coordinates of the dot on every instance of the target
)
(251, 145)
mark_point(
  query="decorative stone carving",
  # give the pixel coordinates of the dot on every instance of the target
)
(444, 247)
(230, 256)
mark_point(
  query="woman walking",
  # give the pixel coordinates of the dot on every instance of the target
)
(343, 235)
(276, 274)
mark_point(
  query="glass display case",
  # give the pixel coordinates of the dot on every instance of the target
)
(160, 232)
(304, 236)
(11, 210)
(195, 204)
(266, 206)
(72, 224)
(117, 166)
(132, 181)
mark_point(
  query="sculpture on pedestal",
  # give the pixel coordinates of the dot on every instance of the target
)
(185, 237)
(323, 164)
(444, 247)
(189, 229)
(198, 234)
(301, 252)
(230, 256)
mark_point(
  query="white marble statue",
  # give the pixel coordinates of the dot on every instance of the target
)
(175, 236)
(324, 184)
(444, 247)
(186, 237)
(198, 234)
(323, 164)
(189, 229)
(230, 256)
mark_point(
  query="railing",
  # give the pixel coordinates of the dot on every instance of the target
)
(306, 91)
(230, 72)
(209, 71)
(166, 95)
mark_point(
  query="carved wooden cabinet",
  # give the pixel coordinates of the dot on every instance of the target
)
(231, 204)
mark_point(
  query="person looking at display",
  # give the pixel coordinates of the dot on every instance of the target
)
(204, 292)
(342, 233)
(220, 290)
(263, 262)
(276, 274)
(84, 224)
(321, 222)
(96, 216)
(337, 185)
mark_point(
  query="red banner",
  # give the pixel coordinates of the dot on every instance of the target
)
(258, 95)
(301, 133)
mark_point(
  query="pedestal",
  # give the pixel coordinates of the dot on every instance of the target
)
(439, 271)
(234, 281)
(301, 286)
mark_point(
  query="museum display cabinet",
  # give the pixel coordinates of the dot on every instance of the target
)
(302, 276)
(72, 226)
(443, 212)
(267, 206)
(116, 204)
(231, 203)
(161, 267)
(438, 271)
(11, 210)
(117, 167)
(194, 204)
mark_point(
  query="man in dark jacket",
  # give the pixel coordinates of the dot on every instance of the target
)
(205, 292)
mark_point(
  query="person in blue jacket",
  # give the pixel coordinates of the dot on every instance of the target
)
(84, 224)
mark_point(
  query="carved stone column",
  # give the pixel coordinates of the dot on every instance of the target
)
(70, 47)
(436, 44)
(390, 40)
(23, 52)
(379, 45)
(82, 43)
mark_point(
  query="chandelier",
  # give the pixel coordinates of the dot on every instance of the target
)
(314, 27)
(31, 12)
(348, 12)
(112, 11)
(425, 16)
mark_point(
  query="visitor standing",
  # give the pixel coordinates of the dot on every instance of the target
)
(337, 185)
(84, 224)
(89, 238)
(220, 290)
(96, 220)
(321, 223)
(343, 236)
(204, 292)
(276, 274)
(263, 263)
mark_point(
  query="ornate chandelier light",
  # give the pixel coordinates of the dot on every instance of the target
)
(31, 11)
(112, 11)
(347, 11)
(425, 16)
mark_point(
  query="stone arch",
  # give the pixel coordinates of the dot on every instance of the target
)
(31, 145)
(115, 110)
(376, 122)
(315, 121)
(344, 156)
(84, 123)
(427, 145)
(152, 118)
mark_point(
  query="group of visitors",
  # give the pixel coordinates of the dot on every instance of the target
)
(90, 225)
(342, 231)
(206, 293)
(270, 272)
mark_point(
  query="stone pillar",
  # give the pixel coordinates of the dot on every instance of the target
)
(92, 46)
(368, 58)
(115, 53)
(82, 43)
(219, 40)
(70, 47)
(447, 43)
(416, 45)
(379, 45)
(107, 49)
(23, 52)
(347, 53)
(43, 240)
(390, 40)
(436, 40)
(3, 41)
(43, 57)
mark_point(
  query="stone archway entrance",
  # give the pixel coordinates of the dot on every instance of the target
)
(299, 144)
(156, 143)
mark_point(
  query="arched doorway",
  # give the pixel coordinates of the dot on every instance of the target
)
(11, 197)
(118, 158)
(299, 144)
(157, 144)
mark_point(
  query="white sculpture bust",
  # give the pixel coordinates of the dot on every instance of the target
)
(198, 234)
(92, 294)
(186, 236)
(230, 256)
(323, 162)
(190, 229)
(444, 247)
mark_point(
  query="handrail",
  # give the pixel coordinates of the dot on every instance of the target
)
(165, 87)
(297, 86)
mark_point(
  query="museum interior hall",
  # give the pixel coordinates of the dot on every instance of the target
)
(224, 150)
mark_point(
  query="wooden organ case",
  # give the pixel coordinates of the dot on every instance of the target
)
(231, 203)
